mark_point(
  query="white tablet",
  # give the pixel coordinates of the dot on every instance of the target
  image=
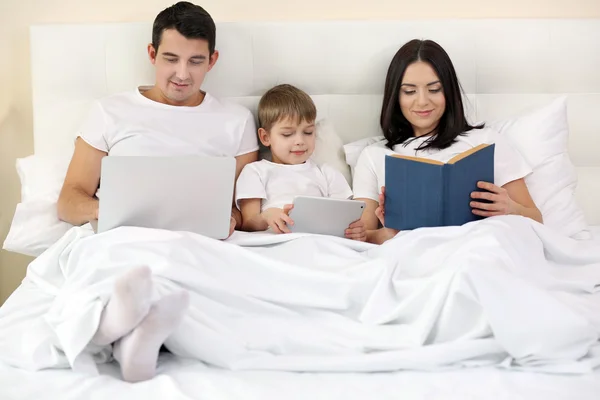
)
(324, 215)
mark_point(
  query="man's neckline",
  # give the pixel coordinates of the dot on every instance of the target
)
(144, 88)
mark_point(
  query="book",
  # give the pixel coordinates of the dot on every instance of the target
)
(421, 192)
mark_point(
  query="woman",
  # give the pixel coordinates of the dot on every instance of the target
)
(423, 116)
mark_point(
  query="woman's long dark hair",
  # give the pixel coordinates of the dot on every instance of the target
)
(453, 123)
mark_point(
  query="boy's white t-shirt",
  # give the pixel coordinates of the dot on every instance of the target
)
(369, 172)
(278, 184)
(129, 124)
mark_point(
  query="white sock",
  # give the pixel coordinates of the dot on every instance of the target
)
(137, 352)
(127, 306)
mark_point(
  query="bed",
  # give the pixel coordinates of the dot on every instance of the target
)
(506, 67)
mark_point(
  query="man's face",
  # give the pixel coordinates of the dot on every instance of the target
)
(181, 65)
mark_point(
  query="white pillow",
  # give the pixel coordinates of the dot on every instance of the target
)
(541, 136)
(353, 149)
(329, 149)
(35, 225)
(41, 177)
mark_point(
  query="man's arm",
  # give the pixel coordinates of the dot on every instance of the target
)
(77, 203)
(240, 163)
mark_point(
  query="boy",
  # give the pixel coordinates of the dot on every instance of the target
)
(266, 189)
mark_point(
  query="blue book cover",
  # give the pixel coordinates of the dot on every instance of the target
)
(420, 192)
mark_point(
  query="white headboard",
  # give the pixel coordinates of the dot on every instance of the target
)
(505, 66)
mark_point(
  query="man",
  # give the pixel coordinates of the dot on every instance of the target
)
(173, 117)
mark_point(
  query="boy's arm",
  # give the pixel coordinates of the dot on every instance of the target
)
(252, 219)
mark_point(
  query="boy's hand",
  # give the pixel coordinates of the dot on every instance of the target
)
(278, 219)
(357, 231)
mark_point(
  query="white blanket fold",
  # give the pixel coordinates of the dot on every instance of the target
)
(504, 291)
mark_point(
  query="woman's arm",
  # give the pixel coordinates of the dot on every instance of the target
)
(511, 199)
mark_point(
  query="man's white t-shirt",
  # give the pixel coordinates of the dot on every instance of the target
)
(278, 184)
(369, 172)
(129, 124)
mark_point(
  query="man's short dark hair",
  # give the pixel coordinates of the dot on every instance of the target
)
(190, 20)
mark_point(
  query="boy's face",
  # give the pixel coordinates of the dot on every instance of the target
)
(181, 65)
(291, 142)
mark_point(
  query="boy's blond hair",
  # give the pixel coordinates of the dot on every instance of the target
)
(283, 102)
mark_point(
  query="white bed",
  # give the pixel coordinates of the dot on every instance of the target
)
(187, 379)
(505, 66)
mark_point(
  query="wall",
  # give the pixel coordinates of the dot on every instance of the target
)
(16, 16)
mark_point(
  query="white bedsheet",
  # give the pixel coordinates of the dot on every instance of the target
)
(180, 379)
(504, 291)
(187, 379)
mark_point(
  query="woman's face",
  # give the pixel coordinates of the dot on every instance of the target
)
(422, 99)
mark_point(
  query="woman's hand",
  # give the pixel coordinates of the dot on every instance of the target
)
(380, 213)
(357, 231)
(380, 210)
(278, 219)
(500, 202)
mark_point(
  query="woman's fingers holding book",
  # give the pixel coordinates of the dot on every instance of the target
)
(382, 196)
(498, 202)
(485, 206)
(484, 196)
(380, 214)
(380, 210)
(482, 213)
(489, 187)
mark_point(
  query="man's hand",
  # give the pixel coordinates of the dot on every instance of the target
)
(232, 224)
(278, 219)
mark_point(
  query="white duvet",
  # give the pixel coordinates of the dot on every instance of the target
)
(504, 291)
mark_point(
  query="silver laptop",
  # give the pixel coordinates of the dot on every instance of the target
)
(190, 193)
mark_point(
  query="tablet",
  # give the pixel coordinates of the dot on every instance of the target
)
(323, 215)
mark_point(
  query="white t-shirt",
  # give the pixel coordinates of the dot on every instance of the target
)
(129, 124)
(369, 173)
(278, 184)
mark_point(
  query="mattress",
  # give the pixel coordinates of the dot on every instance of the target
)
(188, 379)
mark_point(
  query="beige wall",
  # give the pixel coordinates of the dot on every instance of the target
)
(17, 15)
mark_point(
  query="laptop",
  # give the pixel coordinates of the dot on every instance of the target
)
(189, 193)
